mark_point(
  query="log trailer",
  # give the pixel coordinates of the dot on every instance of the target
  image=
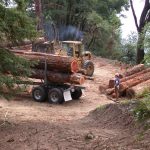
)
(60, 81)
(56, 92)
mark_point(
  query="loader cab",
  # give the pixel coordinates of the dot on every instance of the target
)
(73, 48)
(76, 49)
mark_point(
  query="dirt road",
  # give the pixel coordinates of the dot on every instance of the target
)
(28, 125)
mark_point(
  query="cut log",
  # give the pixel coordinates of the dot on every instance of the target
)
(111, 83)
(110, 91)
(140, 88)
(135, 69)
(54, 62)
(124, 79)
(125, 87)
(135, 81)
(57, 77)
(135, 75)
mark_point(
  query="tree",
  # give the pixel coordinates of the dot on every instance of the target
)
(128, 47)
(98, 23)
(144, 19)
(15, 26)
(38, 11)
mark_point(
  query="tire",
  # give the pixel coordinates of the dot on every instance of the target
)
(89, 67)
(39, 94)
(55, 95)
(76, 94)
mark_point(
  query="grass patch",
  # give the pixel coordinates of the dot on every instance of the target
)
(101, 107)
(144, 94)
(142, 110)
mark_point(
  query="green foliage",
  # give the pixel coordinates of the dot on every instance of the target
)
(99, 22)
(145, 93)
(147, 45)
(128, 49)
(142, 110)
(147, 59)
(12, 70)
(15, 26)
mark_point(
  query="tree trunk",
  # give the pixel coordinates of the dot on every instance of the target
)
(129, 82)
(131, 73)
(134, 70)
(140, 48)
(54, 62)
(138, 89)
(144, 19)
(38, 11)
(135, 81)
(58, 77)
(134, 75)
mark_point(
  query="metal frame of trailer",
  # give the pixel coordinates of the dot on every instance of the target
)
(56, 92)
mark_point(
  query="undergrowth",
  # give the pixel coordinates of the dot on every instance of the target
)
(142, 110)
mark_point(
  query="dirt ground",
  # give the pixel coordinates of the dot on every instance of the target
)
(74, 125)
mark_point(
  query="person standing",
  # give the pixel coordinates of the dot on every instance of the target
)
(116, 85)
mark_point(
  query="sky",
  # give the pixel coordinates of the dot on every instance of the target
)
(128, 22)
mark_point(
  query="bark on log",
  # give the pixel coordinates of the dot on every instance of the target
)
(135, 75)
(135, 81)
(54, 62)
(125, 87)
(138, 89)
(135, 69)
(110, 91)
(111, 82)
(57, 77)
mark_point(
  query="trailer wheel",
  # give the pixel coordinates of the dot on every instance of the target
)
(76, 94)
(39, 94)
(55, 96)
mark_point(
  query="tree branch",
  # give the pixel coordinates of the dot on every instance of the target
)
(144, 17)
(134, 15)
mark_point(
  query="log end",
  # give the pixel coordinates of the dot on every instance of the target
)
(74, 66)
(111, 83)
(82, 80)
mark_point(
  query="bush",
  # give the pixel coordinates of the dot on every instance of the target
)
(142, 110)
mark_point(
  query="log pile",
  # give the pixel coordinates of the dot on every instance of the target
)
(60, 69)
(132, 79)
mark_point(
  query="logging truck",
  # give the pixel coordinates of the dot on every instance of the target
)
(60, 81)
(74, 49)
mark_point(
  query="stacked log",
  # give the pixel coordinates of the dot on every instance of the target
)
(57, 77)
(54, 62)
(138, 89)
(60, 69)
(134, 70)
(134, 81)
(138, 75)
(131, 73)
